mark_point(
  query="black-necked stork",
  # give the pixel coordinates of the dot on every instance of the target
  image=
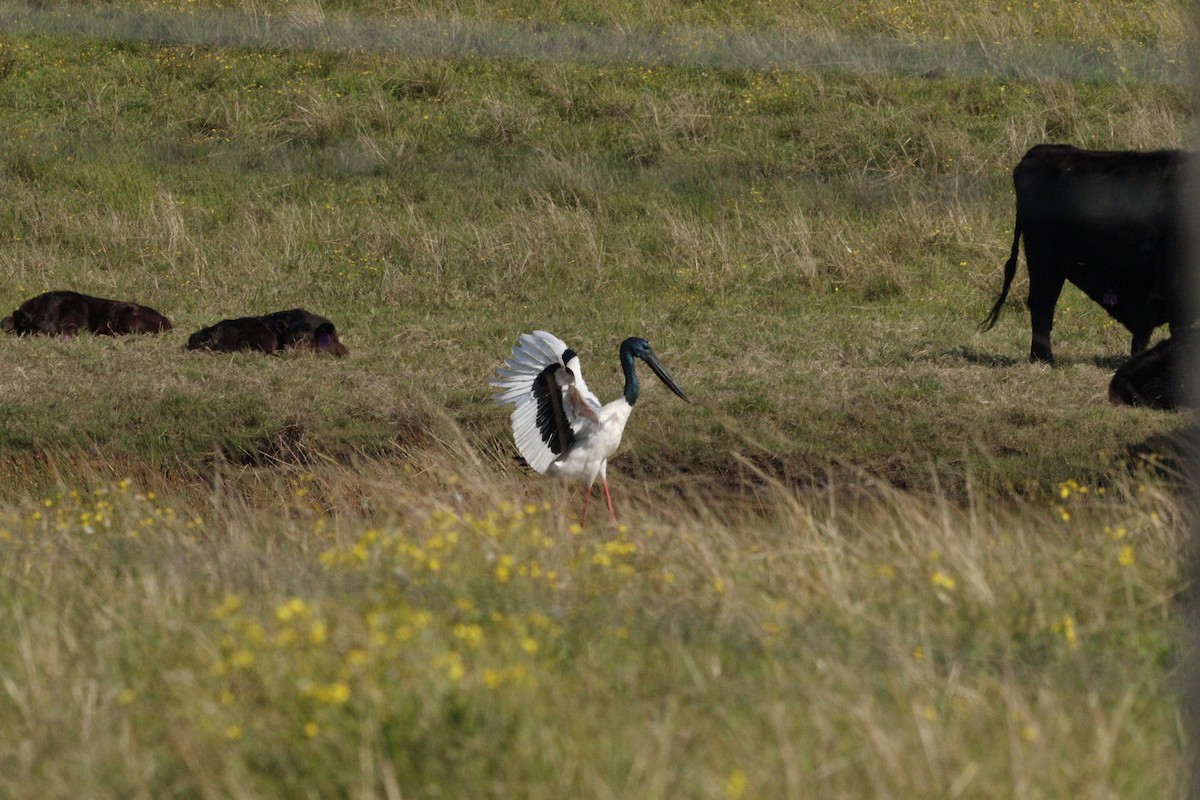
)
(559, 425)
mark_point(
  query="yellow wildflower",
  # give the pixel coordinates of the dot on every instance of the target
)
(1068, 631)
(333, 693)
(471, 634)
(736, 784)
(228, 606)
(291, 609)
(942, 580)
(242, 659)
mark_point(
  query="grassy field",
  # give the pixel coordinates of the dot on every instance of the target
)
(881, 555)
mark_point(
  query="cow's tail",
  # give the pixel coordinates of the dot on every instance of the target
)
(1010, 272)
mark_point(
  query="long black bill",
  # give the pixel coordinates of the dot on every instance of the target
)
(663, 375)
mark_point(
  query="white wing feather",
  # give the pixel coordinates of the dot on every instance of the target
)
(531, 355)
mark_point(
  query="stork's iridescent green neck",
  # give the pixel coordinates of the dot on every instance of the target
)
(636, 347)
(631, 380)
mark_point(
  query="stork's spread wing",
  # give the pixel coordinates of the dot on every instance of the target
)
(542, 378)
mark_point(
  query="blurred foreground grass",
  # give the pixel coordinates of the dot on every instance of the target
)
(463, 637)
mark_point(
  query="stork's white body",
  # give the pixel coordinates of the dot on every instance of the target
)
(588, 458)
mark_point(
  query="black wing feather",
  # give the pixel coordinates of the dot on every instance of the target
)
(551, 418)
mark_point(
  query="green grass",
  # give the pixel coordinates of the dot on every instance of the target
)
(785, 239)
(860, 564)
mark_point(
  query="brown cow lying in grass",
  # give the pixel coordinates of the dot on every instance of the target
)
(295, 329)
(69, 313)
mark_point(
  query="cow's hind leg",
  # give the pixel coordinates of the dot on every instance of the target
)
(1141, 340)
(1043, 296)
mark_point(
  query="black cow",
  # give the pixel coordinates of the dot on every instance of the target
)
(1106, 221)
(229, 335)
(68, 313)
(295, 329)
(1157, 378)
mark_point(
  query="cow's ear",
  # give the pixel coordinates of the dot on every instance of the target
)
(324, 335)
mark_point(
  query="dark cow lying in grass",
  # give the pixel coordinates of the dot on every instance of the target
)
(295, 329)
(69, 313)
(1157, 378)
(1109, 223)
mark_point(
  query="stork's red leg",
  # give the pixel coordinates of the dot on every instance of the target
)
(608, 499)
(587, 493)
